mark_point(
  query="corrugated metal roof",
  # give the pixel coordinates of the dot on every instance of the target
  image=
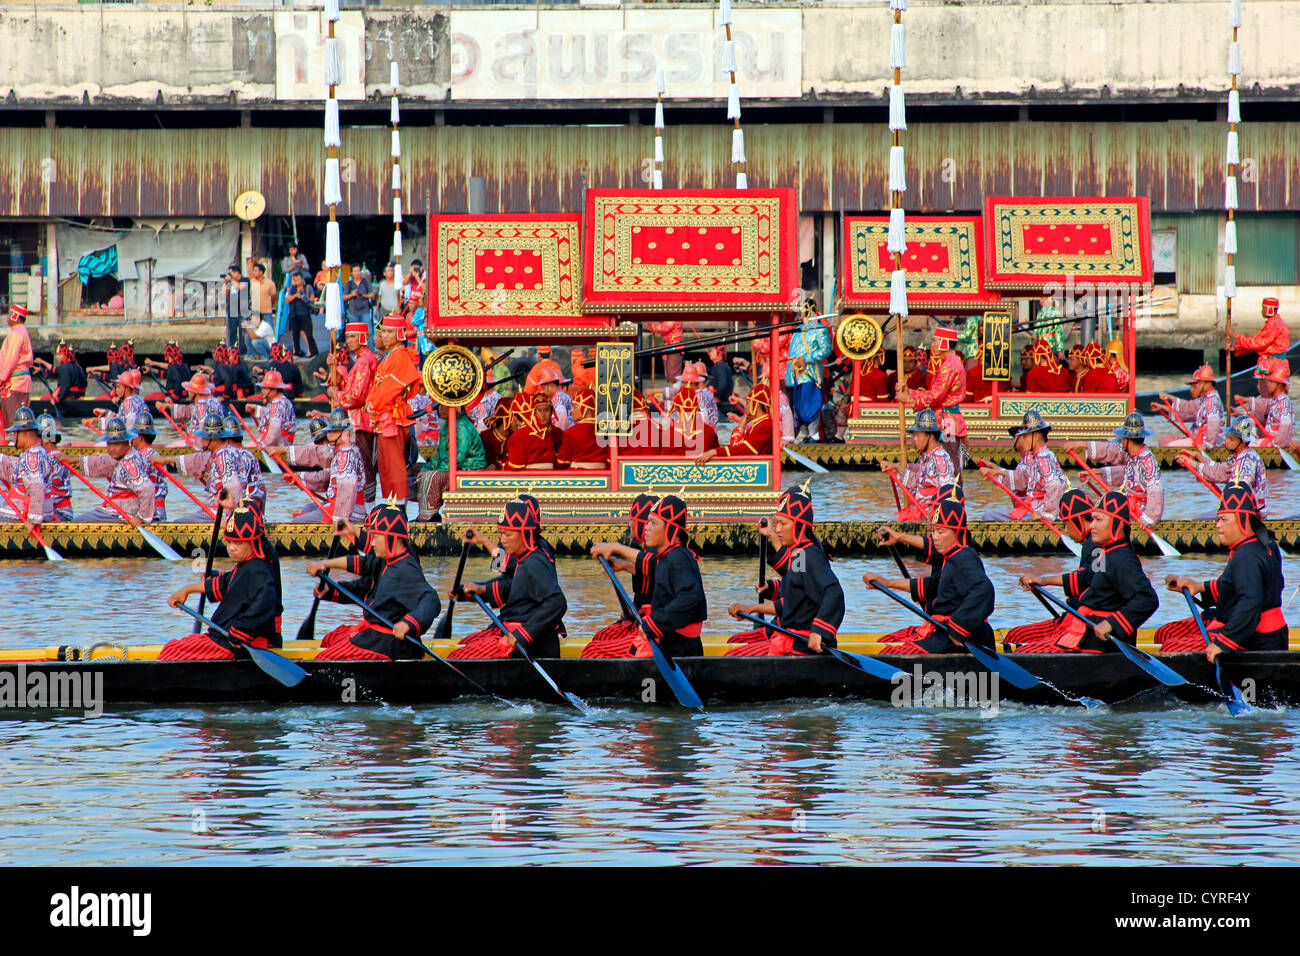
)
(834, 167)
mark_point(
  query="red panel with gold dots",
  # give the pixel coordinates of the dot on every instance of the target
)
(677, 249)
(942, 262)
(1030, 243)
(505, 268)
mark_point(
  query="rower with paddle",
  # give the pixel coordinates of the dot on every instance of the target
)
(1244, 466)
(616, 640)
(1037, 476)
(247, 597)
(1132, 467)
(1203, 411)
(532, 605)
(400, 604)
(960, 594)
(1243, 605)
(216, 463)
(130, 485)
(28, 499)
(143, 435)
(933, 470)
(807, 602)
(343, 481)
(1076, 514)
(675, 614)
(1118, 598)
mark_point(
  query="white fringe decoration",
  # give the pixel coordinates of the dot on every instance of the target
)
(1230, 238)
(397, 209)
(397, 268)
(333, 185)
(332, 137)
(333, 306)
(333, 65)
(724, 12)
(737, 145)
(1234, 14)
(397, 144)
(897, 47)
(661, 85)
(1230, 193)
(659, 149)
(733, 102)
(394, 114)
(658, 179)
(742, 181)
(1234, 59)
(332, 10)
(897, 241)
(397, 245)
(898, 292)
(897, 112)
(729, 56)
(397, 175)
(1234, 107)
(393, 76)
(1229, 281)
(333, 246)
(898, 5)
(659, 116)
(897, 180)
(1234, 154)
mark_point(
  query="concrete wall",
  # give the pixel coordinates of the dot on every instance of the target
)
(977, 50)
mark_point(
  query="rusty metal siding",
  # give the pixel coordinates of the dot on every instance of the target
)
(834, 167)
(1198, 251)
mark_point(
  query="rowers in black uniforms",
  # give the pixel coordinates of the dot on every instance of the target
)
(1243, 606)
(1076, 514)
(616, 640)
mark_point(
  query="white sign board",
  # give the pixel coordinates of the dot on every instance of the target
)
(300, 56)
(615, 54)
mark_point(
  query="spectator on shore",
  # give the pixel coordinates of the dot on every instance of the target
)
(357, 296)
(234, 295)
(295, 261)
(261, 294)
(298, 301)
(388, 303)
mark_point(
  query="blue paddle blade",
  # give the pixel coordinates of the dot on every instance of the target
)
(868, 665)
(1090, 703)
(681, 687)
(1008, 670)
(281, 668)
(1237, 704)
(1161, 672)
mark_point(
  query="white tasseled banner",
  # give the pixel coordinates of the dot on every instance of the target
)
(394, 114)
(333, 65)
(659, 116)
(332, 10)
(724, 12)
(729, 56)
(1230, 193)
(333, 306)
(897, 112)
(397, 209)
(742, 181)
(332, 123)
(898, 292)
(897, 241)
(1234, 107)
(658, 179)
(397, 144)
(733, 102)
(897, 179)
(394, 77)
(898, 5)
(1234, 13)
(1229, 281)
(659, 149)
(333, 185)
(397, 245)
(897, 47)
(1234, 154)
(333, 246)
(1230, 238)
(660, 83)
(737, 145)
(397, 175)
(397, 266)
(1234, 59)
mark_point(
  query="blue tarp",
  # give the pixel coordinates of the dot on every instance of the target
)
(101, 263)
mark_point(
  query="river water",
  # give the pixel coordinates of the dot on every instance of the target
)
(1149, 781)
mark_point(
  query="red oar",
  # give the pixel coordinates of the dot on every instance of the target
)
(181, 485)
(1203, 480)
(1066, 540)
(50, 553)
(180, 431)
(1167, 549)
(1099, 483)
(155, 542)
(1291, 463)
(325, 510)
(899, 486)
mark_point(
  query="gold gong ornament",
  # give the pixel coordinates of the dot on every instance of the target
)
(859, 336)
(453, 376)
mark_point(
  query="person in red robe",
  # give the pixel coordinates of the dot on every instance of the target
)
(1273, 339)
(396, 382)
(1046, 374)
(945, 392)
(873, 384)
(1098, 378)
(1078, 367)
(578, 446)
(753, 435)
(687, 430)
(532, 444)
(496, 431)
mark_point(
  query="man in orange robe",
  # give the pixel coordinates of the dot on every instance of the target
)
(1273, 339)
(397, 381)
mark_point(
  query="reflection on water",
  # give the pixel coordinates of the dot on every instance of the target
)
(802, 782)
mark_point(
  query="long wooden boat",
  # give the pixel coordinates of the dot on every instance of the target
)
(575, 537)
(129, 676)
(86, 407)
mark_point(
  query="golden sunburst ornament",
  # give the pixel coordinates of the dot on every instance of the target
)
(453, 376)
